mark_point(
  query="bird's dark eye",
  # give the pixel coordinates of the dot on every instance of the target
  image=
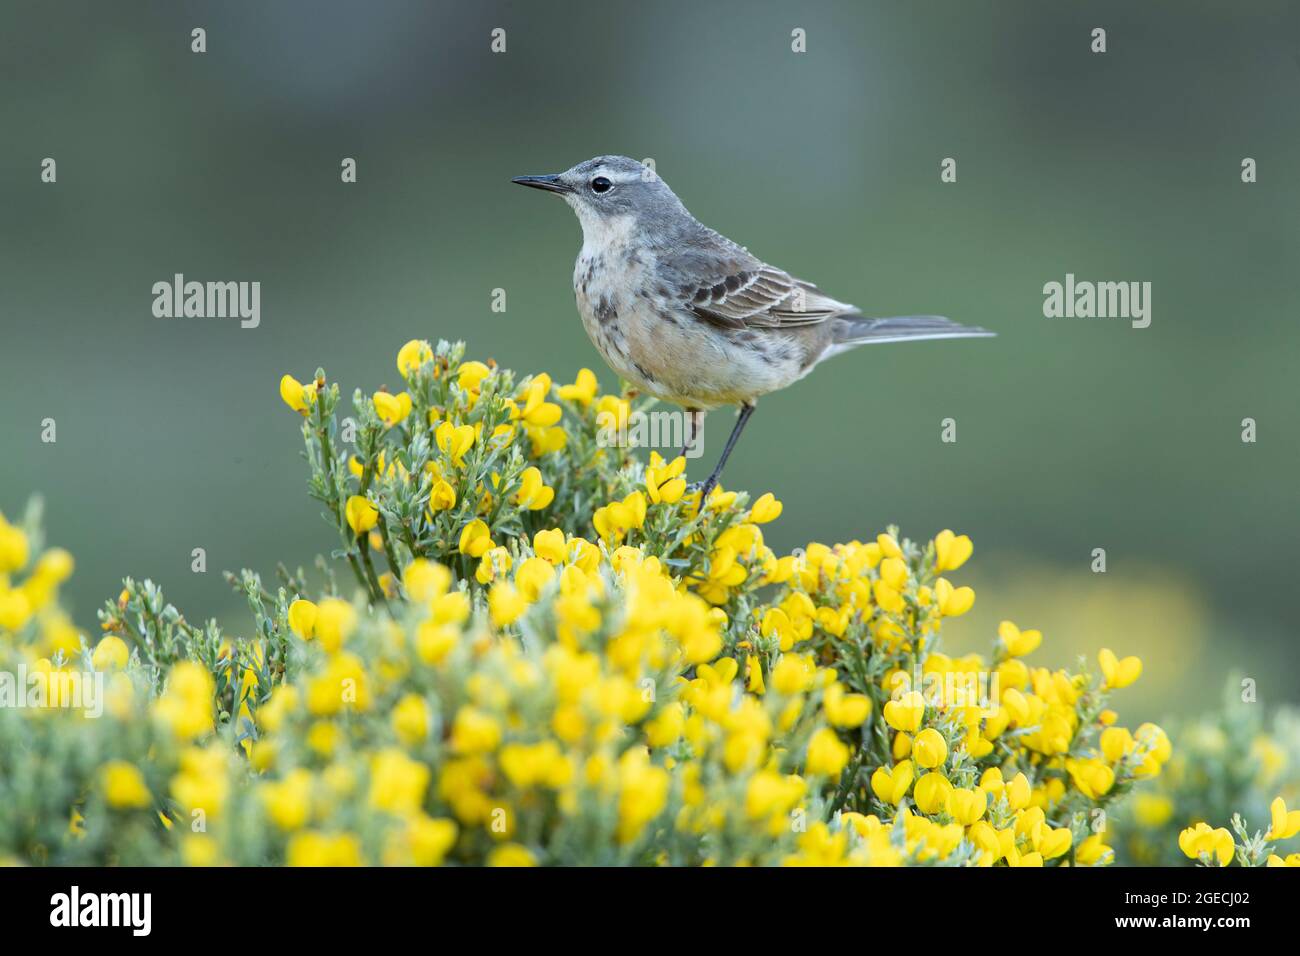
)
(601, 185)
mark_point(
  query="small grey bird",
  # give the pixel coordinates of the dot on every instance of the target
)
(690, 316)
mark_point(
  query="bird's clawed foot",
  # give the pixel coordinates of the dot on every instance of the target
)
(704, 487)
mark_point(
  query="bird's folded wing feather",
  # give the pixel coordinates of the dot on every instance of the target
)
(735, 290)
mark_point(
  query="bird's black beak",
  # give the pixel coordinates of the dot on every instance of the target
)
(551, 184)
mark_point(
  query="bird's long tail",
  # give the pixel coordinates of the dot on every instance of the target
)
(851, 331)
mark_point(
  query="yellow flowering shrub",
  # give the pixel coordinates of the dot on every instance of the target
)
(1232, 768)
(550, 651)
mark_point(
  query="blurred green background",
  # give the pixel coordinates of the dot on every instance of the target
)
(1072, 434)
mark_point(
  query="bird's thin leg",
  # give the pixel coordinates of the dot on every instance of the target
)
(693, 419)
(709, 483)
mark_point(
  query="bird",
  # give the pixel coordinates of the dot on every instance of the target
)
(690, 317)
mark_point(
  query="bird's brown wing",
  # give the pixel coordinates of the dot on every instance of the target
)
(738, 291)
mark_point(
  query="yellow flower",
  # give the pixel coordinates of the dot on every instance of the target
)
(202, 783)
(285, 699)
(537, 411)
(470, 376)
(1018, 643)
(397, 783)
(13, 548)
(1115, 743)
(335, 620)
(532, 493)
(613, 521)
(827, 755)
(845, 710)
(15, 610)
(666, 726)
(199, 849)
(455, 441)
(906, 713)
(302, 619)
(551, 546)
(511, 854)
(288, 801)
(186, 704)
(505, 604)
(442, 496)
(888, 545)
(361, 514)
(296, 395)
(929, 749)
(123, 785)
(495, 561)
(950, 551)
(450, 608)
(612, 414)
(323, 737)
(412, 355)
(411, 719)
(1156, 741)
(931, 793)
(765, 509)
(664, 482)
(1202, 842)
(392, 409)
(967, 806)
(1285, 823)
(643, 793)
(1055, 842)
(793, 673)
(1269, 756)
(311, 848)
(425, 580)
(474, 732)
(55, 564)
(1092, 777)
(533, 765)
(985, 838)
(1018, 792)
(111, 653)
(1152, 810)
(429, 839)
(433, 642)
(532, 578)
(341, 686)
(893, 572)
(902, 746)
(476, 539)
(583, 389)
(543, 441)
(1093, 851)
(1118, 673)
(951, 601)
(776, 621)
(891, 784)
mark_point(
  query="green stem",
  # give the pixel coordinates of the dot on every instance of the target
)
(376, 592)
(340, 517)
(389, 554)
(848, 781)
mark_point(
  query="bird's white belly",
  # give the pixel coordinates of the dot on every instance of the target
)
(669, 352)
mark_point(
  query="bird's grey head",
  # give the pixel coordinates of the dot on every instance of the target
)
(613, 192)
